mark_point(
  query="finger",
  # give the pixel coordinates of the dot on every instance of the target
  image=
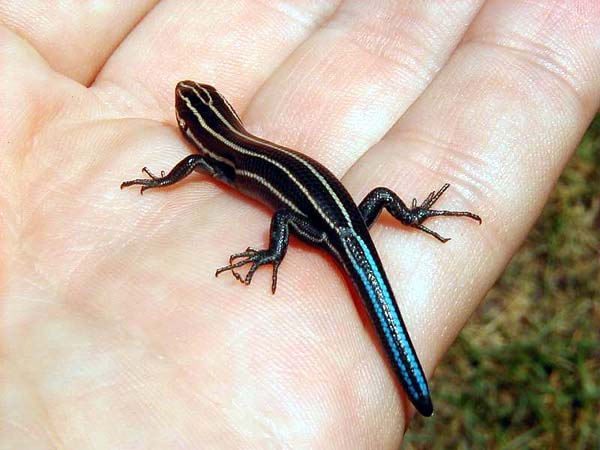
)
(78, 37)
(498, 123)
(342, 90)
(234, 45)
(24, 74)
(26, 79)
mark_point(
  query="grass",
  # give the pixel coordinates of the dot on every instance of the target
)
(525, 371)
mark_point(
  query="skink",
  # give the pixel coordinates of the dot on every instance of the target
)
(310, 202)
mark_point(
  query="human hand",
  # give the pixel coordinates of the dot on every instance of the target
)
(115, 331)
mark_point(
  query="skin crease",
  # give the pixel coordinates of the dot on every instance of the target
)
(115, 333)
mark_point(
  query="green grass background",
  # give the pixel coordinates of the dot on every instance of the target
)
(525, 371)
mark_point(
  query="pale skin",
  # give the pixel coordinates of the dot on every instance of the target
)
(115, 332)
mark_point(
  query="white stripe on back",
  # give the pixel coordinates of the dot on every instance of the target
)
(245, 151)
(297, 157)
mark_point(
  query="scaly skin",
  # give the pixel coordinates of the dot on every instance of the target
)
(115, 333)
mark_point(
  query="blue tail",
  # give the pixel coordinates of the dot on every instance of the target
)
(361, 260)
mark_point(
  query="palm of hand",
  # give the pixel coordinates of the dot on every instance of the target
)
(112, 313)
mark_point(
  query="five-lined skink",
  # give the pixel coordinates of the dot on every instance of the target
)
(310, 202)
